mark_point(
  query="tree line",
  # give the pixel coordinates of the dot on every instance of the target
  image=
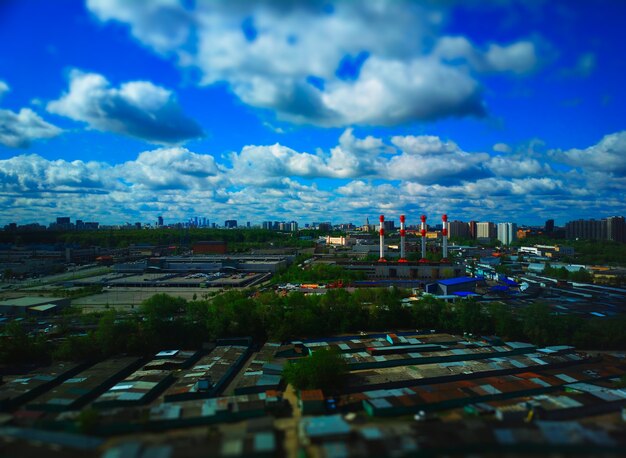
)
(168, 322)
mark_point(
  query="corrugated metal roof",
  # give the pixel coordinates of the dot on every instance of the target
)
(328, 425)
(457, 281)
(566, 378)
(264, 442)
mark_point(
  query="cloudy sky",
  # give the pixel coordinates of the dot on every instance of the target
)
(119, 111)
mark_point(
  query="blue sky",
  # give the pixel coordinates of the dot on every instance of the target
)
(500, 110)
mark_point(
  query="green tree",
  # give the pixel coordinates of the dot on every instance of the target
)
(537, 323)
(582, 276)
(470, 316)
(325, 369)
(19, 347)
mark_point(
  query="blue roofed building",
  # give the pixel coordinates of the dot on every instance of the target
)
(454, 285)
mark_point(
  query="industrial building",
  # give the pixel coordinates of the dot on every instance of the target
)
(74, 393)
(32, 305)
(209, 247)
(207, 263)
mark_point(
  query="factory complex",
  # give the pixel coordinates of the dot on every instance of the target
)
(404, 391)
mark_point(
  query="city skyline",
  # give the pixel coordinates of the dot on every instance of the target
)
(311, 111)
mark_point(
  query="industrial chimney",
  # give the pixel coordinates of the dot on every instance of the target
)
(382, 239)
(444, 237)
(423, 232)
(402, 239)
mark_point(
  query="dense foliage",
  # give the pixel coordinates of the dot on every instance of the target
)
(167, 322)
(587, 251)
(582, 275)
(236, 239)
(317, 273)
(324, 369)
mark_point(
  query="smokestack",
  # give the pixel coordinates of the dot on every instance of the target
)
(423, 232)
(381, 231)
(444, 237)
(402, 239)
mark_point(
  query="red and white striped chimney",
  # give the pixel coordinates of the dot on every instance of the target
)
(444, 237)
(402, 239)
(423, 232)
(381, 231)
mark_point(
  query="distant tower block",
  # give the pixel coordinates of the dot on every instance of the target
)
(423, 232)
(402, 239)
(444, 237)
(381, 231)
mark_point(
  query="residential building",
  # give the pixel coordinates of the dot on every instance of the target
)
(485, 230)
(507, 232)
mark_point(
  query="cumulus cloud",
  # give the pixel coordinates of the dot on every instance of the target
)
(137, 109)
(519, 57)
(429, 159)
(608, 155)
(34, 174)
(502, 148)
(18, 130)
(171, 168)
(4, 87)
(516, 167)
(354, 63)
(362, 176)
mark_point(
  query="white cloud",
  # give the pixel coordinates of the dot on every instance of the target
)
(424, 145)
(138, 109)
(362, 177)
(608, 155)
(502, 148)
(516, 167)
(18, 130)
(266, 56)
(4, 87)
(269, 164)
(32, 173)
(171, 168)
(519, 57)
(395, 92)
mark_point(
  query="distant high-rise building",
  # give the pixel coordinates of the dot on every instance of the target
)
(324, 227)
(485, 230)
(507, 232)
(458, 229)
(267, 225)
(586, 229)
(549, 227)
(293, 226)
(616, 228)
(473, 231)
(160, 221)
(230, 224)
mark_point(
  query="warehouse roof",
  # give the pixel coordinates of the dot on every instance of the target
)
(457, 281)
(30, 301)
